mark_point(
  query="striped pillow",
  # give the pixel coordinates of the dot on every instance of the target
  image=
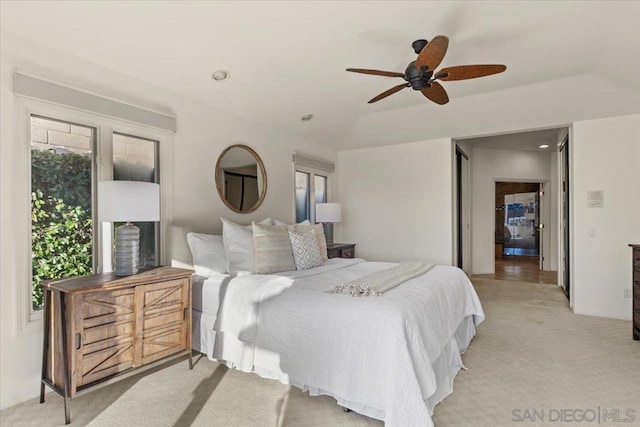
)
(272, 249)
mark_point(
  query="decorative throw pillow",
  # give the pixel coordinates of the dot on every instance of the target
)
(238, 246)
(322, 243)
(208, 253)
(272, 249)
(306, 250)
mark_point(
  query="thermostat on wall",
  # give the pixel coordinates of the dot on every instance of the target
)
(595, 199)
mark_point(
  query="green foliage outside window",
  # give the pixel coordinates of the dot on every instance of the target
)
(61, 225)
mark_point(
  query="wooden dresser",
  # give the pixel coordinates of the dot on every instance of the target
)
(101, 326)
(636, 291)
(341, 250)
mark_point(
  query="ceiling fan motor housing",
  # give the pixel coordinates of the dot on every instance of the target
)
(418, 45)
(417, 78)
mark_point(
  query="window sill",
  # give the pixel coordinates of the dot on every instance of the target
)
(34, 324)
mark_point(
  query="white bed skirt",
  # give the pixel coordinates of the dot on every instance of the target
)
(228, 349)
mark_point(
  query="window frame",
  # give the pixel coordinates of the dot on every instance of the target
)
(29, 320)
(312, 188)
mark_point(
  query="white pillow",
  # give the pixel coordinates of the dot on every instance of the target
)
(305, 222)
(306, 250)
(208, 253)
(272, 249)
(238, 246)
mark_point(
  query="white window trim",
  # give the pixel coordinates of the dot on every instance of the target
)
(28, 320)
(312, 185)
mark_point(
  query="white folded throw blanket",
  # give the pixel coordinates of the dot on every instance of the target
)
(376, 284)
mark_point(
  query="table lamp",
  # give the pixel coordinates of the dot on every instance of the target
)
(128, 201)
(327, 214)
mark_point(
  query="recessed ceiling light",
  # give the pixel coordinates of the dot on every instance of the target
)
(544, 146)
(220, 75)
(306, 117)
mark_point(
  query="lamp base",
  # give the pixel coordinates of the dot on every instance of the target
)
(127, 252)
(328, 232)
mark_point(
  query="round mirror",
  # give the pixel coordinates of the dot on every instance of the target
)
(241, 179)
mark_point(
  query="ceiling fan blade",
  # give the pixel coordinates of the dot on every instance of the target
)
(436, 93)
(433, 53)
(388, 92)
(376, 72)
(463, 72)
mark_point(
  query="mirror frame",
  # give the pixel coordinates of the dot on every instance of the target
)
(263, 172)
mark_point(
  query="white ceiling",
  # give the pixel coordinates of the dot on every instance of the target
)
(566, 60)
(527, 141)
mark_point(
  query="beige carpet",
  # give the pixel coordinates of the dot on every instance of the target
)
(531, 354)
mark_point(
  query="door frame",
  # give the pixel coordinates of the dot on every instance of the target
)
(463, 234)
(565, 223)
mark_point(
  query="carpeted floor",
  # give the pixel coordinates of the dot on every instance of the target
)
(531, 357)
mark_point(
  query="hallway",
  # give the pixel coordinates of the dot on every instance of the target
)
(521, 269)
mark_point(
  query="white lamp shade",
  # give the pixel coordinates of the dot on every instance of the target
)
(328, 212)
(128, 201)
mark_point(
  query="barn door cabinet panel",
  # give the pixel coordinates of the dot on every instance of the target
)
(102, 326)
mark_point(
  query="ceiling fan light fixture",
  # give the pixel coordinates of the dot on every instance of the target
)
(220, 75)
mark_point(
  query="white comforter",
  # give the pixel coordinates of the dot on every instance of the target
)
(373, 354)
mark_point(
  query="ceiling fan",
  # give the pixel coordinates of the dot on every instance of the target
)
(421, 75)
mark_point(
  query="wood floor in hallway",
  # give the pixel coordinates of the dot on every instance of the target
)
(521, 269)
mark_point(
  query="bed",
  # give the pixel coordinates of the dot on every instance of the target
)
(391, 357)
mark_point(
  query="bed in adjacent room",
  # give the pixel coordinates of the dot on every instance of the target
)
(392, 357)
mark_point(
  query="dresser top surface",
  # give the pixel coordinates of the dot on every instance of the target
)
(635, 246)
(110, 280)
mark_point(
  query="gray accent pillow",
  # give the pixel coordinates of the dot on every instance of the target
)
(322, 243)
(306, 250)
(272, 249)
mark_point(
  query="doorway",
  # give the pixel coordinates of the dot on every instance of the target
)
(518, 231)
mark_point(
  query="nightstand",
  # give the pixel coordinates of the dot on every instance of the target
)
(342, 250)
(103, 326)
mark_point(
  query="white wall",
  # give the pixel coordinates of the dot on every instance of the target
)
(606, 156)
(487, 167)
(203, 132)
(397, 201)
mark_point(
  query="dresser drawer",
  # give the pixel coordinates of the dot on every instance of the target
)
(342, 250)
(348, 253)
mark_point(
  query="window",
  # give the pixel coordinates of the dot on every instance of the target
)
(310, 189)
(67, 153)
(136, 159)
(311, 178)
(62, 151)
(62, 220)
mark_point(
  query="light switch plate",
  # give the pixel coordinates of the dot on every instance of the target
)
(627, 292)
